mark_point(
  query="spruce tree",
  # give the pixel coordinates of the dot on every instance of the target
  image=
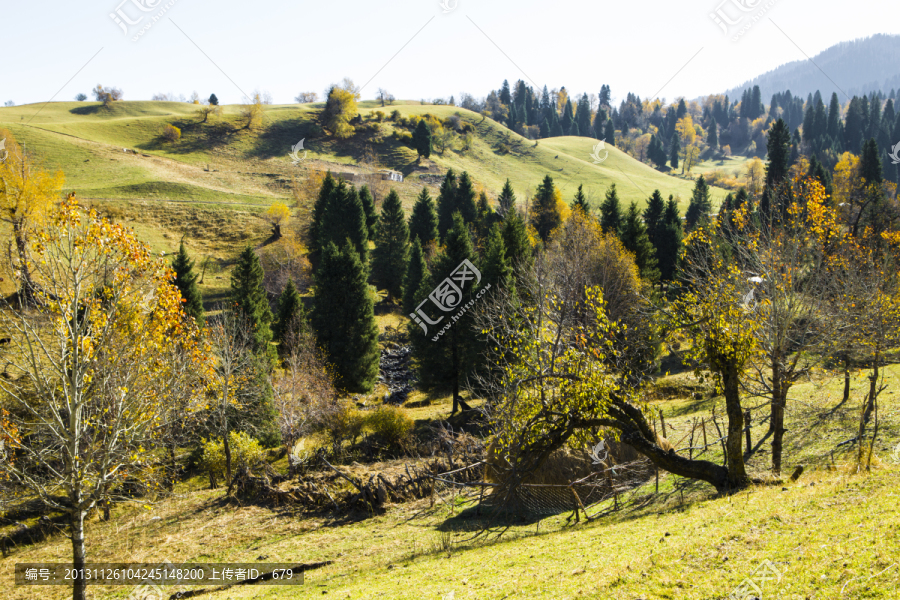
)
(446, 203)
(515, 240)
(318, 212)
(486, 217)
(368, 204)
(422, 139)
(555, 127)
(391, 247)
(700, 205)
(545, 129)
(512, 119)
(610, 134)
(416, 273)
(600, 124)
(345, 218)
(870, 163)
(670, 242)
(186, 282)
(674, 150)
(465, 198)
(568, 118)
(574, 130)
(505, 96)
(611, 212)
(545, 216)
(635, 239)
(249, 298)
(344, 318)
(580, 202)
(654, 217)
(444, 363)
(291, 314)
(507, 199)
(583, 116)
(423, 223)
(497, 270)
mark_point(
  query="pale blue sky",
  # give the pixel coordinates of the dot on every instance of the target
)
(289, 47)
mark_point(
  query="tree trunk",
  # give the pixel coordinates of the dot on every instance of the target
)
(276, 231)
(846, 378)
(26, 293)
(873, 386)
(226, 443)
(173, 465)
(79, 591)
(734, 453)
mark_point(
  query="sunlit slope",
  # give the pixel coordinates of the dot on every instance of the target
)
(223, 157)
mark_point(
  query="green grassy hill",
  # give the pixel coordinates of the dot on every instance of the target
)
(211, 186)
(86, 141)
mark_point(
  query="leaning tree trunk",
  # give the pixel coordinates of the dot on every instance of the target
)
(79, 591)
(873, 385)
(846, 379)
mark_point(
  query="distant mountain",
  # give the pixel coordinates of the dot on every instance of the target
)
(857, 67)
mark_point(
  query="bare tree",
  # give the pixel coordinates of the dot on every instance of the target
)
(307, 97)
(91, 368)
(385, 96)
(302, 388)
(231, 340)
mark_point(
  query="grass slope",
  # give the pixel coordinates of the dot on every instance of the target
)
(86, 140)
(835, 533)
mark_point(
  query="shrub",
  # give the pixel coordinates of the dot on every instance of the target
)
(379, 116)
(245, 450)
(172, 133)
(395, 115)
(340, 421)
(403, 136)
(391, 424)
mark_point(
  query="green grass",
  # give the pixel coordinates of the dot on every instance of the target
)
(86, 141)
(834, 533)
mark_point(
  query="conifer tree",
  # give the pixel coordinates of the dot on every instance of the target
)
(870, 162)
(545, 129)
(513, 117)
(583, 116)
(496, 271)
(674, 150)
(445, 362)
(545, 216)
(422, 139)
(318, 212)
(368, 204)
(700, 205)
(505, 96)
(610, 134)
(635, 239)
(446, 203)
(249, 298)
(574, 130)
(391, 247)
(654, 217)
(611, 212)
(291, 313)
(345, 218)
(670, 242)
(555, 127)
(568, 118)
(344, 318)
(486, 217)
(507, 199)
(600, 124)
(186, 282)
(416, 273)
(423, 223)
(515, 240)
(581, 202)
(465, 198)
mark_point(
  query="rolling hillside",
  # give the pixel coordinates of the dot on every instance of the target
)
(219, 161)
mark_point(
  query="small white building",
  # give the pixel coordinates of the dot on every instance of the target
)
(389, 175)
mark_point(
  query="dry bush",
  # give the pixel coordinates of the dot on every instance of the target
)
(391, 424)
(283, 261)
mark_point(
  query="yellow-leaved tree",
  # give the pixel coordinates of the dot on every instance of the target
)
(93, 368)
(27, 194)
(340, 108)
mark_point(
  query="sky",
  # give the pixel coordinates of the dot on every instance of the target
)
(416, 49)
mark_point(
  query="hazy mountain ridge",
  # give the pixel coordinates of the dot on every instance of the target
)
(852, 68)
